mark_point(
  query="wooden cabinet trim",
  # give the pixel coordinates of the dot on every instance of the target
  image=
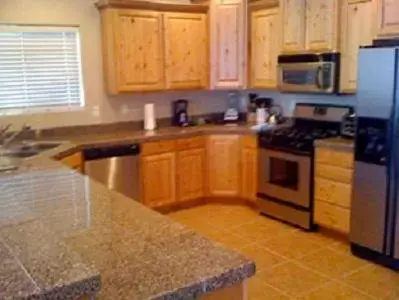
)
(150, 148)
(74, 161)
(151, 5)
(190, 143)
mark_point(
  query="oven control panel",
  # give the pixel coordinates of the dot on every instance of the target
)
(371, 141)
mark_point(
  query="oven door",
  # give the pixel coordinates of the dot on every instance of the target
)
(285, 177)
(316, 77)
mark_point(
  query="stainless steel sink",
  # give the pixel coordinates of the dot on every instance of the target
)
(30, 148)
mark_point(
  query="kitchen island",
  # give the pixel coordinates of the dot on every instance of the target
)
(65, 236)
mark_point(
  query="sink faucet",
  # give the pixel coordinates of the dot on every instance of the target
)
(6, 139)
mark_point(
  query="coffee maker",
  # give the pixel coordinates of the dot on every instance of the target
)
(180, 113)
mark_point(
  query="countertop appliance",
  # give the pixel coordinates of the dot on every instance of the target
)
(348, 126)
(232, 114)
(374, 230)
(309, 73)
(285, 180)
(117, 167)
(180, 115)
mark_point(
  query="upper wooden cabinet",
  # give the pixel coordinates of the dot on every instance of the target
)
(388, 18)
(223, 165)
(322, 19)
(310, 25)
(293, 16)
(357, 29)
(186, 50)
(133, 50)
(265, 47)
(228, 43)
(148, 50)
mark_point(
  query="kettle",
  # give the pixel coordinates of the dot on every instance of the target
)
(275, 116)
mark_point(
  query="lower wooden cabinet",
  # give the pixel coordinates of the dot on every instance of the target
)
(74, 161)
(158, 175)
(190, 174)
(223, 160)
(249, 168)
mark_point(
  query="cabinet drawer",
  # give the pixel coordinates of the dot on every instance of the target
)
(249, 142)
(73, 161)
(333, 192)
(190, 143)
(332, 216)
(158, 147)
(334, 158)
(334, 173)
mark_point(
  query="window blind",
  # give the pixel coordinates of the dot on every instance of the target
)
(40, 69)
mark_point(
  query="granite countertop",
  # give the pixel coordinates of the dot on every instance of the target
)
(337, 143)
(63, 235)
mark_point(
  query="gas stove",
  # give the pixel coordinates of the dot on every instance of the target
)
(299, 138)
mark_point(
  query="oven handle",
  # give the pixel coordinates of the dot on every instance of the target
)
(319, 77)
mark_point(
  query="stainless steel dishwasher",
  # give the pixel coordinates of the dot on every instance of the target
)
(115, 166)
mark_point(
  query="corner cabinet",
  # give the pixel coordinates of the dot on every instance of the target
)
(322, 25)
(148, 48)
(388, 18)
(228, 43)
(186, 42)
(293, 17)
(265, 47)
(358, 29)
(223, 165)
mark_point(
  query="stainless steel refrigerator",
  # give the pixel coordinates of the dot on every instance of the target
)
(374, 231)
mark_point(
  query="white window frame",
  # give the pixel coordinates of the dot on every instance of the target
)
(48, 109)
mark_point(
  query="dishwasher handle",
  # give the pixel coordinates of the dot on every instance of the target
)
(111, 151)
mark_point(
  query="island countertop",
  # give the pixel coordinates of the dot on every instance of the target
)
(63, 236)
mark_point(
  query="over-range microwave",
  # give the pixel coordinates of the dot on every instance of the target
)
(309, 73)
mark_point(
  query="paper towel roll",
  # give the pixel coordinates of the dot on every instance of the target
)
(149, 116)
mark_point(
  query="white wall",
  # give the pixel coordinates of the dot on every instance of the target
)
(112, 109)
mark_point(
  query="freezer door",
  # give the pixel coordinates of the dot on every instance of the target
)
(368, 206)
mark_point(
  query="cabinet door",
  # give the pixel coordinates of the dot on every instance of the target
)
(138, 51)
(264, 48)
(223, 165)
(158, 179)
(322, 25)
(293, 28)
(357, 30)
(249, 179)
(228, 43)
(190, 174)
(388, 22)
(186, 46)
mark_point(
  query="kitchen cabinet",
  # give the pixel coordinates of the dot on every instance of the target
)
(132, 50)
(357, 29)
(74, 161)
(265, 47)
(322, 25)
(190, 174)
(158, 174)
(388, 18)
(223, 160)
(186, 48)
(228, 43)
(332, 190)
(293, 16)
(249, 168)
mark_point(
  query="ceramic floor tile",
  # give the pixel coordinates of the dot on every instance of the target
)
(293, 279)
(232, 240)
(375, 280)
(332, 263)
(293, 245)
(263, 258)
(335, 291)
(259, 290)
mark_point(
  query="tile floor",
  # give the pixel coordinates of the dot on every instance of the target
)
(291, 264)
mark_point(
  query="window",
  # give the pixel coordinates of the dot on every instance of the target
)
(40, 69)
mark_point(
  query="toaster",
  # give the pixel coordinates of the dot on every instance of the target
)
(348, 125)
